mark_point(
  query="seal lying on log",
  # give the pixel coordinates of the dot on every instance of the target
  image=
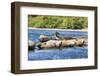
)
(56, 36)
(43, 38)
(80, 42)
(51, 44)
(68, 43)
(62, 43)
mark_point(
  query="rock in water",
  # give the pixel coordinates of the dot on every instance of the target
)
(31, 45)
(43, 38)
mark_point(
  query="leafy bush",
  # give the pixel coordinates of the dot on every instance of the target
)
(62, 22)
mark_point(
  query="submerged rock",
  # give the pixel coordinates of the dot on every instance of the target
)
(31, 45)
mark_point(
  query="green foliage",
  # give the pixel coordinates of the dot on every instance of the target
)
(62, 22)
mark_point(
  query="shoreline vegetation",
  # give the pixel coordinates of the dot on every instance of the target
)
(58, 22)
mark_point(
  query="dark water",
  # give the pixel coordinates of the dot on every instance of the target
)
(52, 54)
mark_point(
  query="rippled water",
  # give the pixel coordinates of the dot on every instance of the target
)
(52, 54)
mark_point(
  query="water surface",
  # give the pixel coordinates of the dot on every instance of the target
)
(53, 54)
